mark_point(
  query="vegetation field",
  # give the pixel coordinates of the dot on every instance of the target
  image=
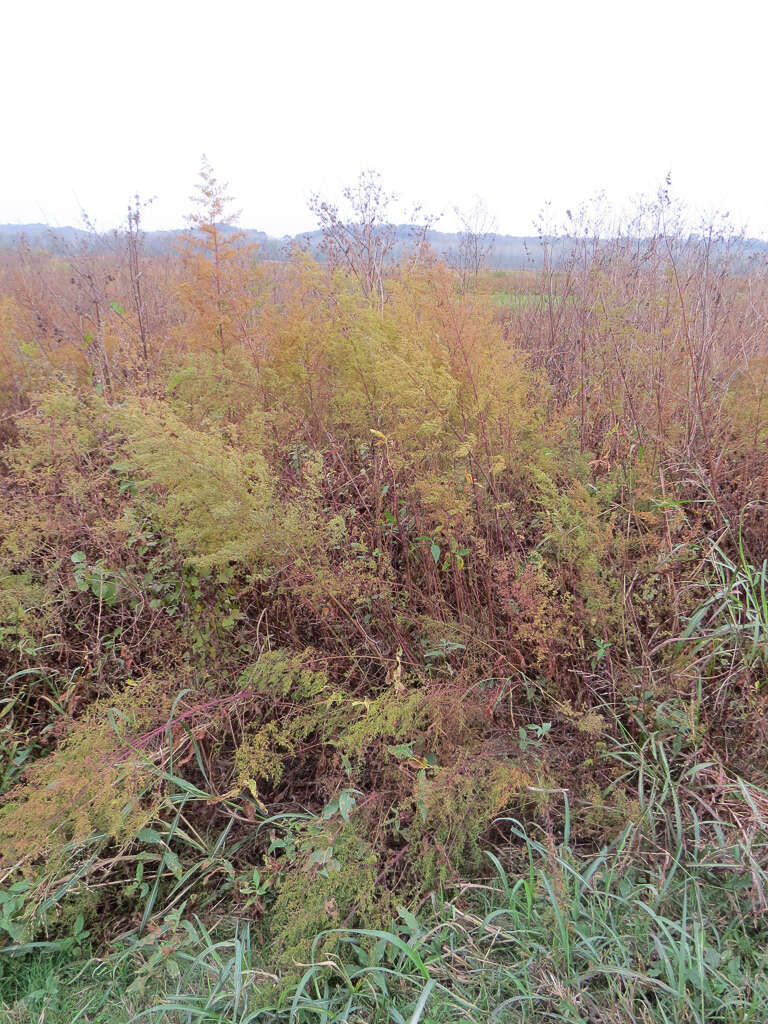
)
(383, 640)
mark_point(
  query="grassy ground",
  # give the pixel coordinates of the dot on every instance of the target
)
(663, 924)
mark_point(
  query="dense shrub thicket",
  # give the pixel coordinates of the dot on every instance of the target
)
(316, 599)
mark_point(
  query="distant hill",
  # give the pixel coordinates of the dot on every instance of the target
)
(509, 252)
(36, 234)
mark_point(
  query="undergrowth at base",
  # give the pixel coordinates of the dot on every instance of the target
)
(664, 924)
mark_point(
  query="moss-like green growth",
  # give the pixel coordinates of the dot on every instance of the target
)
(453, 808)
(333, 884)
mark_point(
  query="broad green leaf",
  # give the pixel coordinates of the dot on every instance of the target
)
(149, 835)
(346, 803)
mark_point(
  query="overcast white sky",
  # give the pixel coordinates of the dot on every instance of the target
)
(518, 102)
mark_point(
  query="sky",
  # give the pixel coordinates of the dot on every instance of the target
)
(519, 103)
